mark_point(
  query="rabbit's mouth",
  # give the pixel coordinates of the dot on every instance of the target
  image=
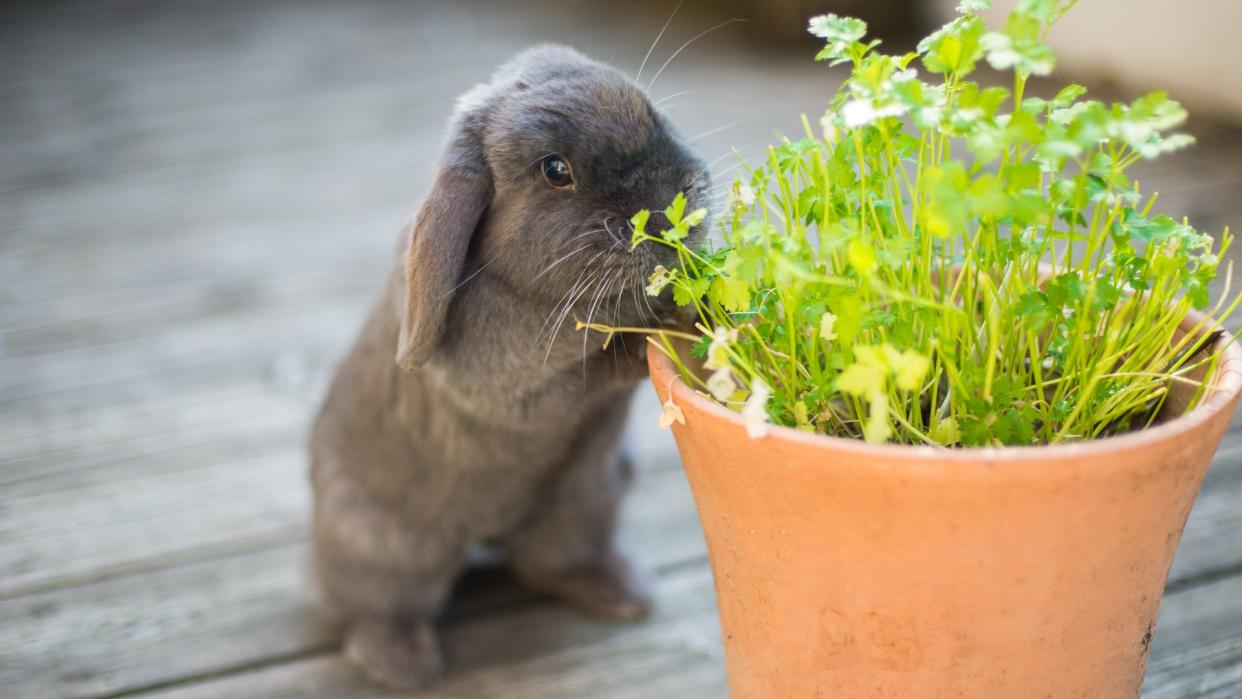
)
(653, 306)
(649, 262)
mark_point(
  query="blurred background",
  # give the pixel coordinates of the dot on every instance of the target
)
(198, 203)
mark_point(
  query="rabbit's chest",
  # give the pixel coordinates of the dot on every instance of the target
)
(495, 494)
(491, 467)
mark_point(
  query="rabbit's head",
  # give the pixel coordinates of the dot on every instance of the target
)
(542, 170)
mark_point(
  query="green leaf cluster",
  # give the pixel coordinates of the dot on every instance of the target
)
(942, 262)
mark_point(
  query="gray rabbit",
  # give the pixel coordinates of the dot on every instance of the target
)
(498, 423)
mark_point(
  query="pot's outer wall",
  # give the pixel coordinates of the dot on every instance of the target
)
(844, 570)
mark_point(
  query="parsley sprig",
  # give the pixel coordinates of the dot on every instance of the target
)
(945, 263)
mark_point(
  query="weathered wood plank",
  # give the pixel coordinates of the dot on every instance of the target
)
(138, 630)
(179, 428)
(1196, 653)
(250, 342)
(133, 311)
(1212, 540)
(197, 409)
(1197, 648)
(105, 522)
(298, 373)
(141, 515)
(240, 611)
(674, 655)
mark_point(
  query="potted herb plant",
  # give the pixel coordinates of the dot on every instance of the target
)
(954, 385)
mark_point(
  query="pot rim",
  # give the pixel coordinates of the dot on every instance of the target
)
(1227, 385)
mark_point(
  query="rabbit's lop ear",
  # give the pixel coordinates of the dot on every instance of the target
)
(443, 227)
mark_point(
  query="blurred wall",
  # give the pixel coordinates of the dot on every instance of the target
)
(1188, 48)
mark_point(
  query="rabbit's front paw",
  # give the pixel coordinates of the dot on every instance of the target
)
(402, 655)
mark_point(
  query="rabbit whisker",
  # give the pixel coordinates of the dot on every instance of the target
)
(638, 312)
(736, 150)
(556, 308)
(569, 299)
(640, 276)
(564, 313)
(605, 294)
(720, 175)
(569, 305)
(750, 119)
(579, 236)
(616, 319)
(583, 234)
(663, 29)
(713, 132)
(594, 292)
(693, 39)
(562, 259)
(615, 283)
(622, 286)
(640, 290)
(675, 95)
(605, 291)
(595, 296)
(617, 237)
(611, 236)
(637, 291)
(650, 311)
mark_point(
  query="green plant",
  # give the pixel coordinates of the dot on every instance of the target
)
(948, 263)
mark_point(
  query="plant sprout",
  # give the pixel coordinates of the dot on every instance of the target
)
(946, 263)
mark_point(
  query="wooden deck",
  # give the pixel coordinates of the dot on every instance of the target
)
(197, 203)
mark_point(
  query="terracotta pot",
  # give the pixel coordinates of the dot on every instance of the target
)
(846, 570)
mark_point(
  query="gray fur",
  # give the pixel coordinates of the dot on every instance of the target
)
(497, 423)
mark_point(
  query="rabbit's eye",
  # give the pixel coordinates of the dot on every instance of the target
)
(556, 171)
